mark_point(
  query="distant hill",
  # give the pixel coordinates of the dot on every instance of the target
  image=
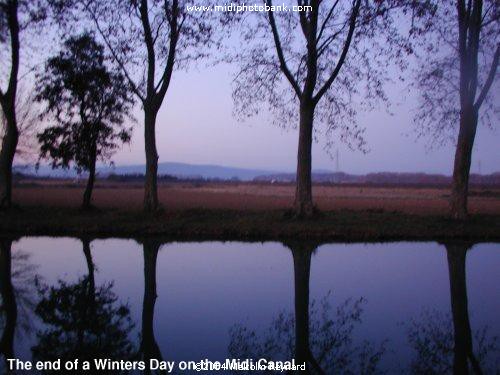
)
(179, 170)
(191, 171)
(44, 171)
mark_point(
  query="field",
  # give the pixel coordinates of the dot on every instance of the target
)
(248, 196)
(250, 212)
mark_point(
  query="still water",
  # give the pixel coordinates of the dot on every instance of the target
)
(341, 308)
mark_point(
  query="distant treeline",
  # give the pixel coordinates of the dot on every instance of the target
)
(139, 177)
(125, 178)
(383, 178)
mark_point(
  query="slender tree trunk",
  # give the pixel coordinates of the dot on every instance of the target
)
(91, 268)
(9, 145)
(87, 195)
(302, 266)
(469, 29)
(8, 104)
(461, 169)
(8, 298)
(456, 254)
(302, 253)
(149, 348)
(303, 192)
(150, 188)
(90, 305)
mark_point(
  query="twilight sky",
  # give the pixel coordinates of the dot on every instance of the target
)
(195, 125)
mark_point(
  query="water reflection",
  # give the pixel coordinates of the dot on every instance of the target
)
(444, 343)
(9, 305)
(82, 320)
(315, 334)
(149, 348)
(17, 297)
(88, 316)
(302, 253)
(463, 352)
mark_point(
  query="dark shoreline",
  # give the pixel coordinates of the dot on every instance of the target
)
(230, 225)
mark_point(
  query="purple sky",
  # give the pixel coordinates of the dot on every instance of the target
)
(195, 125)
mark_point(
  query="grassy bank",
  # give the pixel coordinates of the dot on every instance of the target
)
(204, 224)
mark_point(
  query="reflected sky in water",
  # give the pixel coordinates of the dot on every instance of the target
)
(205, 289)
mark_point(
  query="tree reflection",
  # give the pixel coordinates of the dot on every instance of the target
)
(444, 343)
(17, 295)
(23, 281)
(9, 305)
(316, 334)
(81, 320)
(149, 348)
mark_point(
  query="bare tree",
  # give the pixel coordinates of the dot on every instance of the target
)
(10, 20)
(148, 40)
(319, 65)
(16, 16)
(458, 50)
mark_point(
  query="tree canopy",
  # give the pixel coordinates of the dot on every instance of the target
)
(87, 104)
(435, 42)
(336, 53)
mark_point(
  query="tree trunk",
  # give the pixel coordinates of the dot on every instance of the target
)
(8, 298)
(461, 169)
(302, 266)
(303, 192)
(150, 187)
(91, 268)
(456, 254)
(87, 195)
(149, 348)
(9, 145)
(302, 253)
(8, 104)
(90, 303)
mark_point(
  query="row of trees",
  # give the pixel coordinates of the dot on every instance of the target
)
(315, 69)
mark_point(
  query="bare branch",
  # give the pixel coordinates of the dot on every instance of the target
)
(347, 44)
(13, 24)
(157, 33)
(115, 56)
(325, 22)
(489, 80)
(174, 37)
(303, 19)
(283, 65)
(324, 46)
(148, 39)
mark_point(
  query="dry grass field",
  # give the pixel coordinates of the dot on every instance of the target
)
(248, 196)
(249, 211)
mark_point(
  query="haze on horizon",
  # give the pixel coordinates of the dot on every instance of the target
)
(195, 125)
